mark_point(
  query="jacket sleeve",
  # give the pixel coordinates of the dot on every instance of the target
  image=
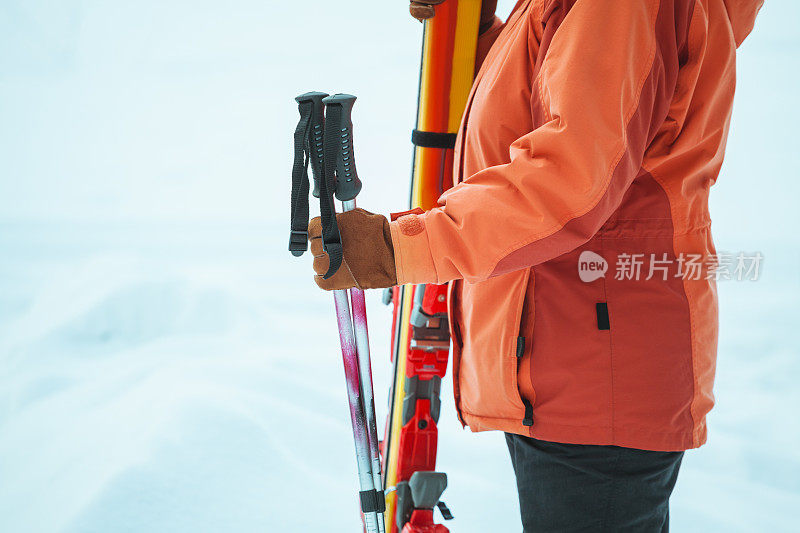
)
(601, 95)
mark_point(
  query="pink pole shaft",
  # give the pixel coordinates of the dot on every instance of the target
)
(359, 305)
(359, 315)
(357, 417)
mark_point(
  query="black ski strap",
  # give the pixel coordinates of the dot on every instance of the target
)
(307, 149)
(331, 239)
(432, 139)
(340, 175)
(298, 236)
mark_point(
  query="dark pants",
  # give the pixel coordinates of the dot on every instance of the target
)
(574, 487)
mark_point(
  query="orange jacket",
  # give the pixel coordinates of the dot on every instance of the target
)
(593, 127)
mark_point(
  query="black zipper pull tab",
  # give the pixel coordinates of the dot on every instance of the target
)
(520, 346)
(528, 419)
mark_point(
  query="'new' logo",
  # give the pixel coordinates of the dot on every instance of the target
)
(591, 266)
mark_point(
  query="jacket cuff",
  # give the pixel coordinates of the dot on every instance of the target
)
(412, 252)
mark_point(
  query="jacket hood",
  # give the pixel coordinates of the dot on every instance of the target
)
(742, 14)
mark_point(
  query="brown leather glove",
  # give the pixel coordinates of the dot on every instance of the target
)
(424, 9)
(367, 252)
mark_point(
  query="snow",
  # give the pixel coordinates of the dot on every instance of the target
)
(167, 366)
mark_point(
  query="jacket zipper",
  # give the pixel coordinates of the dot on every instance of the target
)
(526, 317)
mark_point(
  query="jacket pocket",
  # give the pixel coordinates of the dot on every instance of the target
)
(488, 317)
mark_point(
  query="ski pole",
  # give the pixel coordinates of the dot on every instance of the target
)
(347, 188)
(339, 161)
(309, 149)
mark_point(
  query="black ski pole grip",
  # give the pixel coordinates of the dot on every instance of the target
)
(347, 185)
(317, 128)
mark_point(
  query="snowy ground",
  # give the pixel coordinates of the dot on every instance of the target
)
(168, 367)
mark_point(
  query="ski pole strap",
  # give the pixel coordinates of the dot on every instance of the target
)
(339, 176)
(307, 149)
(372, 501)
(432, 139)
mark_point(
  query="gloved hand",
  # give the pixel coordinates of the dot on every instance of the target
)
(367, 252)
(424, 9)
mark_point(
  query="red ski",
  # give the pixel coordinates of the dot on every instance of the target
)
(420, 335)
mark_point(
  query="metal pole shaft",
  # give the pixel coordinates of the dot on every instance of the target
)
(359, 307)
(351, 371)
